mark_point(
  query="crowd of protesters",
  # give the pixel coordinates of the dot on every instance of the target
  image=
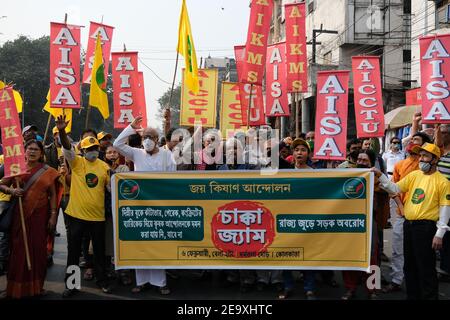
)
(412, 195)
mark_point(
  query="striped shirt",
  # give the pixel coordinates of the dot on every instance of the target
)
(444, 165)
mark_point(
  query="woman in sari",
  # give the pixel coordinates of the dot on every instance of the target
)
(40, 215)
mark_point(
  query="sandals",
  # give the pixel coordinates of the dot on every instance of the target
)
(349, 295)
(89, 274)
(141, 288)
(284, 294)
(125, 279)
(164, 290)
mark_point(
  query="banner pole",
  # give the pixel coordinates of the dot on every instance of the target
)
(249, 107)
(24, 230)
(47, 127)
(297, 115)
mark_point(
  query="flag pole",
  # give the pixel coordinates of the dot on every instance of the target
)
(167, 111)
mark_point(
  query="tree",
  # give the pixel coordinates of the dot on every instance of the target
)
(26, 63)
(174, 108)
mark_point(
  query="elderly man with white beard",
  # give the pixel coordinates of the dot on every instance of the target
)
(150, 158)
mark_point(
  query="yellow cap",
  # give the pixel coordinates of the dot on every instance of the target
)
(55, 130)
(89, 142)
(103, 135)
(428, 147)
(302, 142)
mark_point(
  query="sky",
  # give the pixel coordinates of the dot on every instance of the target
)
(149, 27)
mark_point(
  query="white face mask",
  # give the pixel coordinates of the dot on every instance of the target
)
(149, 145)
(91, 155)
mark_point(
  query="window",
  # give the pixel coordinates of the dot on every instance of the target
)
(442, 14)
(407, 6)
(407, 56)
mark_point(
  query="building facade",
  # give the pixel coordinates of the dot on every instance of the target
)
(346, 28)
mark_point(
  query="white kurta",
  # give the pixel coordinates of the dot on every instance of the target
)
(161, 161)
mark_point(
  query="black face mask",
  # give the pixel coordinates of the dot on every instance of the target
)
(362, 166)
(354, 154)
(110, 161)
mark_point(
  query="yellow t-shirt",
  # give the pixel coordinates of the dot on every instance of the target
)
(87, 190)
(4, 196)
(426, 193)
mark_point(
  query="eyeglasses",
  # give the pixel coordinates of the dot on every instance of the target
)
(150, 137)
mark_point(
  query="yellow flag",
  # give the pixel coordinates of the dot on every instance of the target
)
(56, 112)
(17, 98)
(98, 97)
(187, 50)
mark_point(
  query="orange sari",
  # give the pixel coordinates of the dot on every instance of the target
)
(36, 208)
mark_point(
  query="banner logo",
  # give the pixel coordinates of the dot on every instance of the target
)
(354, 188)
(129, 189)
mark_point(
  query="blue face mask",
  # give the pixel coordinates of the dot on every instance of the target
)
(91, 155)
(425, 166)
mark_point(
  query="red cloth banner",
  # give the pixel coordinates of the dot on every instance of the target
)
(331, 115)
(256, 46)
(414, 97)
(65, 66)
(12, 141)
(277, 103)
(296, 55)
(126, 88)
(106, 33)
(369, 110)
(257, 116)
(435, 73)
(141, 100)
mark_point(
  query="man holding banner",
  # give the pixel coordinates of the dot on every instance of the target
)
(151, 158)
(427, 212)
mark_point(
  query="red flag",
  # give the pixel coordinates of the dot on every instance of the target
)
(434, 71)
(414, 97)
(65, 66)
(106, 33)
(369, 110)
(256, 46)
(331, 115)
(277, 103)
(141, 100)
(257, 117)
(13, 150)
(296, 55)
(126, 88)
